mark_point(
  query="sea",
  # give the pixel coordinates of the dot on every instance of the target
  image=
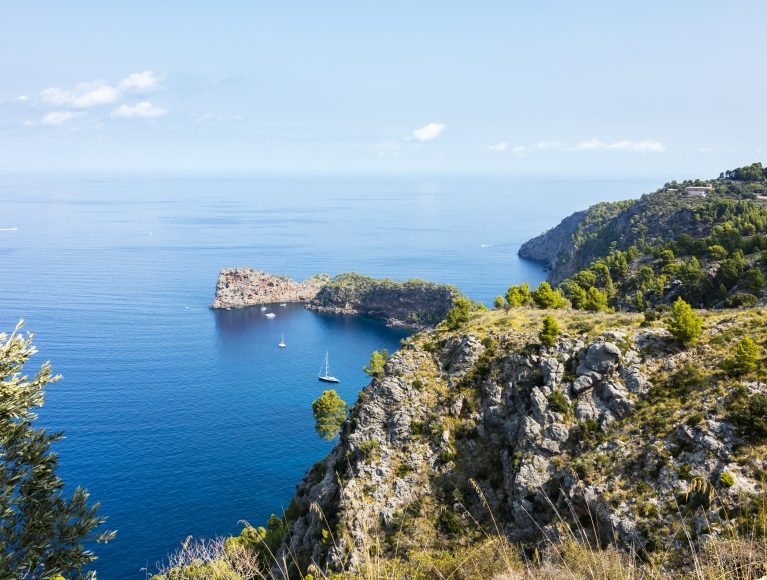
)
(185, 421)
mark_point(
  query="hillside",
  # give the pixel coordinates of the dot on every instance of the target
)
(666, 244)
(611, 429)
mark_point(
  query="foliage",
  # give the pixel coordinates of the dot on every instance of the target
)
(459, 315)
(749, 414)
(519, 296)
(546, 297)
(741, 300)
(329, 412)
(684, 324)
(499, 302)
(745, 359)
(42, 532)
(558, 402)
(753, 172)
(375, 367)
(449, 522)
(726, 479)
(549, 332)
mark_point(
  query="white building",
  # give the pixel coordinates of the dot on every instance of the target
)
(697, 191)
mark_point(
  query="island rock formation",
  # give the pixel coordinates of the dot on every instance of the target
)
(416, 304)
(241, 287)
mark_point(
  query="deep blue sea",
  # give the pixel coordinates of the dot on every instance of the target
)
(182, 420)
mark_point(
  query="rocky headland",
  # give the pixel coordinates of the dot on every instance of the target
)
(243, 287)
(415, 304)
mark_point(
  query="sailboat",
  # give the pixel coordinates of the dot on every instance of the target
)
(282, 342)
(263, 309)
(325, 375)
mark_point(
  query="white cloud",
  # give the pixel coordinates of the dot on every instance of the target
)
(60, 117)
(519, 150)
(646, 146)
(589, 145)
(428, 132)
(83, 96)
(143, 110)
(22, 98)
(547, 145)
(141, 82)
(502, 146)
(98, 93)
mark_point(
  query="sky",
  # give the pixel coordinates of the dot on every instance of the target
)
(634, 88)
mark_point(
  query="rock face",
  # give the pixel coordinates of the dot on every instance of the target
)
(471, 425)
(586, 235)
(241, 287)
(413, 303)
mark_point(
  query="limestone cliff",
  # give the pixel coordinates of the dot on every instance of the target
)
(483, 430)
(413, 303)
(241, 287)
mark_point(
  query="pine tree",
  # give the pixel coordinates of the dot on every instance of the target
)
(329, 412)
(550, 331)
(684, 324)
(42, 531)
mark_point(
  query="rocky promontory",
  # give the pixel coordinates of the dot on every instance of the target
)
(241, 287)
(416, 304)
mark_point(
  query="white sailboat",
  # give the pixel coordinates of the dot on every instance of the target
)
(282, 342)
(325, 375)
(263, 309)
(270, 315)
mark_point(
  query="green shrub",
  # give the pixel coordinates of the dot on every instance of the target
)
(544, 296)
(745, 359)
(403, 469)
(726, 479)
(498, 302)
(449, 522)
(694, 419)
(749, 414)
(740, 300)
(377, 363)
(459, 315)
(369, 448)
(549, 332)
(519, 296)
(684, 323)
(558, 402)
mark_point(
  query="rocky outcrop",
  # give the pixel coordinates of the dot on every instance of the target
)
(413, 303)
(241, 287)
(469, 424)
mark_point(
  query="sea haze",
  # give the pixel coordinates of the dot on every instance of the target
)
(182, 420)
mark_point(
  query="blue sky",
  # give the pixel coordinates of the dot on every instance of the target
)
(654, 87)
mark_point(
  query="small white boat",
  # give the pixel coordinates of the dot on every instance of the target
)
(283, 304)
(282, 342)
(325, 375)
(270, 315)
(263, 309)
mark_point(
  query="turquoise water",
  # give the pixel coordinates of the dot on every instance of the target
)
(182, 420)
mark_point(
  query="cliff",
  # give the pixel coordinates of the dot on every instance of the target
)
(413, 303)
(241, 287)
(644, 254)
(613, 431)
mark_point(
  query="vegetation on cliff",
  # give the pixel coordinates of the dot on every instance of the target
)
(415, 303)
(644, 254)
